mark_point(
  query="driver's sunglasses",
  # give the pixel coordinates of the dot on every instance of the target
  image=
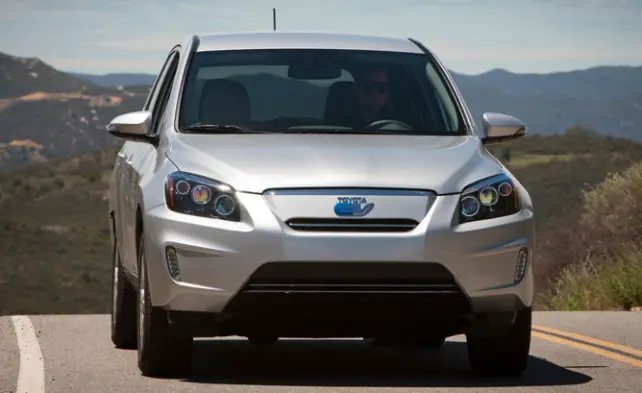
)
(374, 87)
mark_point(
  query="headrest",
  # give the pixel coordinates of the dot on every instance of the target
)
(339, 100)
(224, 101)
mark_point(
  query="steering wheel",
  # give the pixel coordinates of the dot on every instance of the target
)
(378, 124)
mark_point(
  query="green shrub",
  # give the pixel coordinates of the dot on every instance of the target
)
(59, 183)
(604, 247)
(603, 284)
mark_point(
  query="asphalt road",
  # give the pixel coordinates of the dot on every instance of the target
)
(74, 354)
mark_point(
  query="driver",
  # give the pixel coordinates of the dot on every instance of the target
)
(372, 95)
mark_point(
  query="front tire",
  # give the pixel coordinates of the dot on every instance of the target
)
(162, 349)
(506, 355)
(123, 302)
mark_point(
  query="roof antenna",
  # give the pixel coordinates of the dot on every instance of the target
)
(274, 19)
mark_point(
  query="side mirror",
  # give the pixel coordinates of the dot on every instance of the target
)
(132, 126)
(499, 128)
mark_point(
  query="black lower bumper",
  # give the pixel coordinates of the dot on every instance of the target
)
(340, 299)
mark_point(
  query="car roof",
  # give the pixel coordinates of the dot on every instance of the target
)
(303, 40)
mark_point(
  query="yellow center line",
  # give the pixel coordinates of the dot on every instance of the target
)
(598, 351)
(606, 344)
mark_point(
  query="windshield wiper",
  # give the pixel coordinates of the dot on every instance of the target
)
(203, 128)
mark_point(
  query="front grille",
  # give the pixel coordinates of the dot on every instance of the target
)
(352, 224)
(352, 278)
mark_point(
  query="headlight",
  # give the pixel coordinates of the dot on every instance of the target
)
(199, 196)
(488, 198)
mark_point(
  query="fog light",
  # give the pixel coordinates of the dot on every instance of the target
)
(522, 262)
(172, 263)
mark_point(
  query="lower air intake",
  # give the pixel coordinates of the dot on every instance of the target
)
(349, 288)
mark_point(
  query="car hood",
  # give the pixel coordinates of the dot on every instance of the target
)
(257, 162)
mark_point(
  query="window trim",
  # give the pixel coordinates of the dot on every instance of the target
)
(448, 110)
(463, 112)
(164, 92)
(151, 97)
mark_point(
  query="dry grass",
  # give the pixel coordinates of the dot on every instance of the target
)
(605, 248)
(613, 283)
(54, 237)
(522, 160)
(94, 100)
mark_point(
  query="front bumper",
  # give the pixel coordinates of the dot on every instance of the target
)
(218, 259)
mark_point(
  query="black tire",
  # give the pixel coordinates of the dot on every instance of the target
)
(503, 356)
(163, 350)
(123, 305)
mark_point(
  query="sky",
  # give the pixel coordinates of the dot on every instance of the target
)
(469, 36)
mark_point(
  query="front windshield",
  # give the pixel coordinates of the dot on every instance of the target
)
(317, 90)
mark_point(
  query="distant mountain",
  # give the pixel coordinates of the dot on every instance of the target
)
(597, 83)
(45, 113)
(20, 76)
(546, 114)
(608, 99)
(115, 80)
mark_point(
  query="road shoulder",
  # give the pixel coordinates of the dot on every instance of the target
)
(9, 356)
(619, 327)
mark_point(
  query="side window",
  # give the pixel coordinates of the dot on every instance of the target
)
(163, 93)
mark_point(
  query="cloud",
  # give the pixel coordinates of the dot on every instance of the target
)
(151, 43)
(594, 3)
(525, 33)
(105, 65)
(523, 54)
(13, 9)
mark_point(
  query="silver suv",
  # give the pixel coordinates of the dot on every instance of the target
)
(316, 185)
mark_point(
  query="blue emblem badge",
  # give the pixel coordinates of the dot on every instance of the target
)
(353, 207)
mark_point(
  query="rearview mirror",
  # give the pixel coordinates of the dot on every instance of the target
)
(314, 71)
(132, 126)
(499, 128)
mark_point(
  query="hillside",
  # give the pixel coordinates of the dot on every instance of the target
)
(115, 80)
(54, 237)
(45, 113)
(602, 248)
(62, 204)
(20, 76)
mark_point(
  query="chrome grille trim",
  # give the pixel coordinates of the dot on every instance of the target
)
(354, 225)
